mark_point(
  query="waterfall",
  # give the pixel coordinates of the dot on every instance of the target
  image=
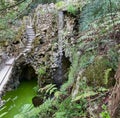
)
(60, 46)
(60, 36)
(58, 74)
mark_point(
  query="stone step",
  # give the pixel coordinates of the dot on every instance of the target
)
(28, 46)
(30, 34)
(30, 30)
(30, 39)
(29, 42)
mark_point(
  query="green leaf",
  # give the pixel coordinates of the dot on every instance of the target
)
(85, 95)
(3, 114)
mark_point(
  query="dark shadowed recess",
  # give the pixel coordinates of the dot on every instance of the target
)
(60, 75)
(28, 73)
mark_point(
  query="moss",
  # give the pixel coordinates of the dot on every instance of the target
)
(4, 43)
(20, 33)
(97, 73)
(36, 41)
(60, 4)
(72, 9)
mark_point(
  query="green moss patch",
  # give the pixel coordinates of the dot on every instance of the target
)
(99, 73)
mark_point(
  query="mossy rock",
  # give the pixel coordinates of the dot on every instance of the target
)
(20, 33)
(60, 5)
(99, 73)
(36, 41)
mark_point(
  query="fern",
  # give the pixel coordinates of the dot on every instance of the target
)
(84, 95)
(48, 89)
(106, 76)
(105, 112)
(42, 70)
(68, 109)
(40, 110)
(97, 9)
(3, 114)
(29, 111)
(71, 9)
(24, 109)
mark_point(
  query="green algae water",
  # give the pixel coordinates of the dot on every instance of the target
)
(17, 98)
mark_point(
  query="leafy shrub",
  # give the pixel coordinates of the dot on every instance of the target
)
(113, 56)
(60, 4)
(71, 9)
(68, 109)
(48, 89)
(96, 10)
(42, 70)
(104, 113)
(97, 73)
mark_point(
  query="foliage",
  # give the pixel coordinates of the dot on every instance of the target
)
(107, 75)
(86, 59)
(60, 4)
(48, 89)
(85, 95)
(7, 17)
(25, 108)
(4, 113)
(97, 73)
(97, 9)
(104, 113)
(42, 70)
(114, 57)
(68, 109)
(71, 9)
(34, 112)
(36, 88)
(72, 73)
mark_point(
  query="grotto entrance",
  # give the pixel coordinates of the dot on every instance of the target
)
(27, 73)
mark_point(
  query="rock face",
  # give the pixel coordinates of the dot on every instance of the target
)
(44, 52)
(43, 47)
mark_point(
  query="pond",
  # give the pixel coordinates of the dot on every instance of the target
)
(17, 98)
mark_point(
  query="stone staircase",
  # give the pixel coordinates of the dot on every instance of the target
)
(31, 35)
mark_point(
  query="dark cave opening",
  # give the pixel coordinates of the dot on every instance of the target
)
(27, 73)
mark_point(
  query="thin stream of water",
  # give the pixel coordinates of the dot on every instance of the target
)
(60, 46)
